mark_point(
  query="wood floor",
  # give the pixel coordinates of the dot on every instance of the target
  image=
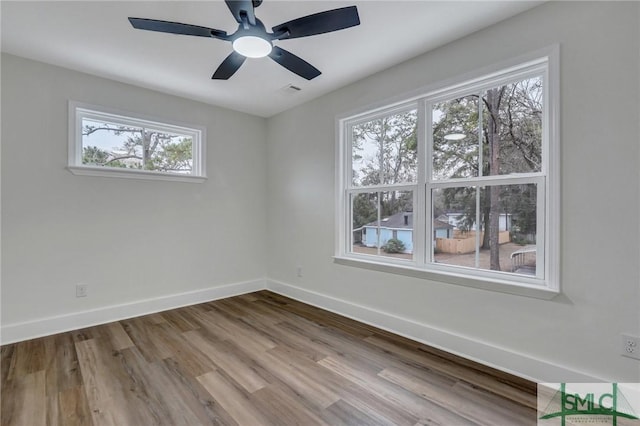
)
(256, 359)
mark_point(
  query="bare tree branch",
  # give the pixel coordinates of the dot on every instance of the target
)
(124, 157)
(87, 130)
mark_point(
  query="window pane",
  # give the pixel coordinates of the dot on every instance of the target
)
(365, 154)
(364, 215)
(455, 138)
(454, 225)
(396, 224)
(400, 147)
(391, 237)
(111, 144)
(512, 120)
(168, 152)
(384, 150)
(503, 240)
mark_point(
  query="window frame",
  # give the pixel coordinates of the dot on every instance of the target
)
(79, 111)
(546, 284)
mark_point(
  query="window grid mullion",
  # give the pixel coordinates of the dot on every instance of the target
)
(144, 137)
(378, 223)
(427, 189)
(480, 135)
(513, 179)
(344, 220)
(381, 156)
(541, 236)
(477, 259)
(480, 174)
(376, 188)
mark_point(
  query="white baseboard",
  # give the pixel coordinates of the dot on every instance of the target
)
(518, 364)
(17, 332)
(500, 358)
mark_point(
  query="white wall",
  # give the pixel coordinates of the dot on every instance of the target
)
(134, 241)
(574, 336)
(129, 240)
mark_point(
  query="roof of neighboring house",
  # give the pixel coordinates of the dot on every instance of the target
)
(443, 218)
(397, 221)
(439, 224)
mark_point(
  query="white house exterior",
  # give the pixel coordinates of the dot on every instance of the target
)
(504, 224)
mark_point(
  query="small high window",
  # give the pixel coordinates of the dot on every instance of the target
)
(112, 144)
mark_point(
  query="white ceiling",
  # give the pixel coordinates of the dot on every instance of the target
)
(95, 37)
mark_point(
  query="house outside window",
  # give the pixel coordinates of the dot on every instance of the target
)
(105, 142)
(473, 164)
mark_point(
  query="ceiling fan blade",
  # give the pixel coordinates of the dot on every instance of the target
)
(294, 63)
(240, 7)
(229, 66)
(176, 28)
(318, 23)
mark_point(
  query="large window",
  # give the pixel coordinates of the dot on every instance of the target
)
(105, 143)
(460, 183)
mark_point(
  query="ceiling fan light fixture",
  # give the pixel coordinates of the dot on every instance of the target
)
(252, 46)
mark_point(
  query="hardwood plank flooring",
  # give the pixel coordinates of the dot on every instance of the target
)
(255, 359)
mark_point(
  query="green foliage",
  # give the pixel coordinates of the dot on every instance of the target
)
(364, 209)
(171, 156)
(520, 239)
(385, 150)
(396, 144)
(515, 115)
(455, 158)
(393, 245)
(94, 155)
(520, 201)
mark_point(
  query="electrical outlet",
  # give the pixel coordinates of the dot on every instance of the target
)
(81, 290)
(631, 346)
(299, 271)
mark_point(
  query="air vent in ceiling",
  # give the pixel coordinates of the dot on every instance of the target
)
(290, 89)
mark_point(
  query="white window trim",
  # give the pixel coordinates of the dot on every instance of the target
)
(78, 110)
(545, 288)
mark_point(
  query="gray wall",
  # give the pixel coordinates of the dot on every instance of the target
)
(128, 239)
(578, 330)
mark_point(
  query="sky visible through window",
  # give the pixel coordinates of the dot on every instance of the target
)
(105, 140)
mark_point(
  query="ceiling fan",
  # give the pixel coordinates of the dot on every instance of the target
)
(251, 40)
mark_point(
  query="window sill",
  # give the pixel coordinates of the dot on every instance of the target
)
(133, 174)
(503, 286)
